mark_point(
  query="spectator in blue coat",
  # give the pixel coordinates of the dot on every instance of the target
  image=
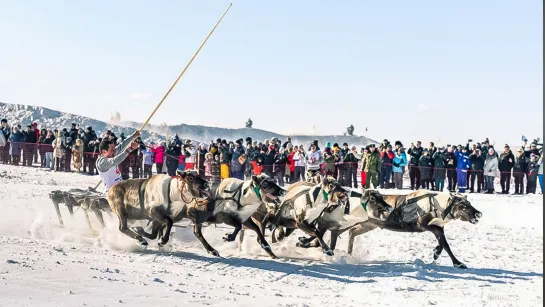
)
(398, 167)
(463, 164)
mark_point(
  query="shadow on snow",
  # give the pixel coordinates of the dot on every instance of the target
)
(360, 273)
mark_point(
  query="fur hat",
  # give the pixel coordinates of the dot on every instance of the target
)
(398, 143)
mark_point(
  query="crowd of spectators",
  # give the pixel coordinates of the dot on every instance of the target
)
(471, 168)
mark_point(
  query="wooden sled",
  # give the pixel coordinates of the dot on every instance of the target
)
(84, 199)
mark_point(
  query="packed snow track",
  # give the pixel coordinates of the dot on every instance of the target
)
(42, 264)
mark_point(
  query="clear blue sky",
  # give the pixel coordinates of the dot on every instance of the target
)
(407, 70)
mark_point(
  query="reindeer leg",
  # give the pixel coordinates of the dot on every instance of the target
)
(439, 233)
(197, 230)
(156, 230)
(260, 238)
(125, 229)
(230, 237)
(304, 226)
(358, 230)
(261, 226)
(157, 214)
(289, 231)
(333, 240)
(437, 252)
(306, 241)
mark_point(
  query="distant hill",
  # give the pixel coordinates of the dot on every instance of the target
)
(52, 119)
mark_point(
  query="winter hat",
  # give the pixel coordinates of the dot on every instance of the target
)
(328, 145)
(398, 143)
(345, 144)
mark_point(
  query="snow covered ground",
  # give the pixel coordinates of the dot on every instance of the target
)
(42, 264)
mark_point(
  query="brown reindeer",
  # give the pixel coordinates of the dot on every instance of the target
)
(163, 200)
(233, 202)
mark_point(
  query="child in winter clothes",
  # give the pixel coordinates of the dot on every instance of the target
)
(58, 151)
(208, 165)
(148, 162)
(159, 152)
(77, 155)
(398, 167)
(532, 170)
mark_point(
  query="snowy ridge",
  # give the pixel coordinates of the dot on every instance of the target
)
(25, 114)
(42, 264)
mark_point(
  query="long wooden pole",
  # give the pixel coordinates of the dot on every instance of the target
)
(180, 76)
(186, 67)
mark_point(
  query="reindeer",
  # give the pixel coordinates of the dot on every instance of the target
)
(163, 200)
(233, 202)
(418, 211)
(304, 206)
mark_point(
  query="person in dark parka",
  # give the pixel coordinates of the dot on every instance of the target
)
(477, 166)
(426, 164)
(505, 165)
(439, 171)
(519, 169)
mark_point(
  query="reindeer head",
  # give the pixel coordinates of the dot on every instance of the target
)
(376, 207)
(269, 191)
(196, 185)
(460, 208)
(335, 191)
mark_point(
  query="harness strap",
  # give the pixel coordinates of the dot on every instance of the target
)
(141, 194)
(168, 194)
(235, 197)
(316, 192)
(291, 201)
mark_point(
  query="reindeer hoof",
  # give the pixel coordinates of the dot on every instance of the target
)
(302, 239)
(229, 237)
(328, 252)
(143, 242)
(460, 266)
(214, 253)
(303, 244)
(436, 253)
(162, 242)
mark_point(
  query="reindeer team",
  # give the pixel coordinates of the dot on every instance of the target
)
(259, 204)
